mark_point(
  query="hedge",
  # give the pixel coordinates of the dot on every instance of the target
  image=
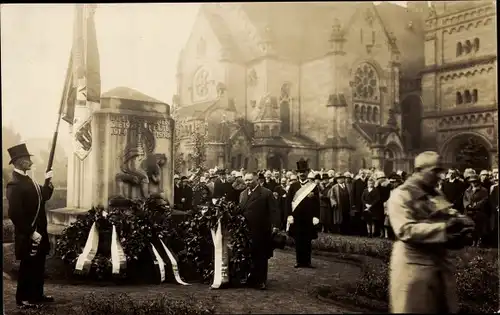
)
(123, 304)
(476, 272)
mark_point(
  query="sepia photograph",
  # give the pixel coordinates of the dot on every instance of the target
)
(250, 158)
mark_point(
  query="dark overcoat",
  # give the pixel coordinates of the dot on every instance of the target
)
(304, 213)
(24, 203)
(260, 210)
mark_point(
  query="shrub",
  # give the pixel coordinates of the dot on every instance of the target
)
(476, 274)
(123, 304)
(8, 231)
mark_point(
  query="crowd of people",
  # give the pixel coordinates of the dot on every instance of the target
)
(350, 204)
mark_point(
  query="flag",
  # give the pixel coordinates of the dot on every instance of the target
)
(82, 89)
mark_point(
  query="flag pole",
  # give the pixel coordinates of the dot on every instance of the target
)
(59, 116)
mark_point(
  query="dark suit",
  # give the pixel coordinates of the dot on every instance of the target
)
(454, 192)
(222, 189)
(187, 194)
(302, 229)
(260, 210)
(27, 213)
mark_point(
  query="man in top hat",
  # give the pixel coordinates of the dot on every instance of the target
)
(303, 214)
(421, 279)
(27, 212)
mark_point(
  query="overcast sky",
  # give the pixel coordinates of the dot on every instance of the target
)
(139, 46)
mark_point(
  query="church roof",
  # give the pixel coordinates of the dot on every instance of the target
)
(199, 109)
(268, 109)
(287, 141)
(125, 93)
(397, 20)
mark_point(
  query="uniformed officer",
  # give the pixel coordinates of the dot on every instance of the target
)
(27, 211)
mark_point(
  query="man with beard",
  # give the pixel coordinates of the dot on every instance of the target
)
(259, 208)
(303, 214)
(358, 187)
(453, 189)
(280, 196)
(269, 182)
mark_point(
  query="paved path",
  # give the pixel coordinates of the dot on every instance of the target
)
(287, 292)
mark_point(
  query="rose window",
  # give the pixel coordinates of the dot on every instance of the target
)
(201, 83)
(365, 83)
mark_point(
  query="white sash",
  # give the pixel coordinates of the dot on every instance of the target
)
(220, 257)
(40, 197)
(89, 251)
(302, 193)
(118, 260)
(173, 262)
(158, 261)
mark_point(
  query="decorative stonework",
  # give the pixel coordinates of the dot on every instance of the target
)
(487, 133)
(468, 26)
(365, 84)
(466, 121)
(467, 73)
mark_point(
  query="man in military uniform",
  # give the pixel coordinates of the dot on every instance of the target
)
(27, 212)
(425, 225)
(303, 214)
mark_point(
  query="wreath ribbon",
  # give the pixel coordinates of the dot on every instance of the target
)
(173, 263)
(85, 259)
(118, 259)
(159, 261)
(221, 259)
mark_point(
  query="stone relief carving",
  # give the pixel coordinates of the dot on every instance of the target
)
(462, 28)
(140, 166)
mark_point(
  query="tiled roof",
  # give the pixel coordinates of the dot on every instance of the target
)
(396, 20)
(126, 93)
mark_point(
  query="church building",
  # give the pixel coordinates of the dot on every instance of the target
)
(343, 85)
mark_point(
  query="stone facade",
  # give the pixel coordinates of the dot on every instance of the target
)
(324, 81)
(459, 91)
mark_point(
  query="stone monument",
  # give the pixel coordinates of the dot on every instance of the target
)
(131, 156)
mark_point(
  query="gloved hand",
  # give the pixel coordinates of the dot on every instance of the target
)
(49, 174)
(315, 221)
(290, 219)
(36, 237)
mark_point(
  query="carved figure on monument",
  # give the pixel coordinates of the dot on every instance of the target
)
(140, 166)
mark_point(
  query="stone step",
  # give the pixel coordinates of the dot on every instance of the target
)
(64, 216)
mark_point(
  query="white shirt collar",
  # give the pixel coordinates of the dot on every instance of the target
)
(20, 172)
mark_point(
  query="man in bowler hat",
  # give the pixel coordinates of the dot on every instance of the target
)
(27, 212)
(303, 203)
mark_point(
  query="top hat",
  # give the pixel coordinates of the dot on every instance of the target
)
(221, 172)
(18, 151)
(325, 176)
(184, 177)
(302, 166)
(261, 176)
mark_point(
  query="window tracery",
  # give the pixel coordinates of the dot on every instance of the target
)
(201, 83)
(366, 83)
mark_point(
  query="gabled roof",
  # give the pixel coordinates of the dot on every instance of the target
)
(199, 109)
(125, 93)
(409, 40)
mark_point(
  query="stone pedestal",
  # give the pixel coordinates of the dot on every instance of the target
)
(132, 155)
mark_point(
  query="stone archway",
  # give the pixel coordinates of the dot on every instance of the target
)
(467, 151)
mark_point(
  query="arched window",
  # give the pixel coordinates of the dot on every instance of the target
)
(460, 100)
(363, 113)
(369, 114)
(467, 97)
(474, 96)
(468, 46)
(459, 49)
(356, 112)
(476, 44)
(365, 84)
(201, 83)
(375, 115)
(266, 131)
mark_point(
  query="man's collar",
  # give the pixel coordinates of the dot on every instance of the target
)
(303, 182)
(20, 172)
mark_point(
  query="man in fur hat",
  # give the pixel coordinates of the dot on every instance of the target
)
(303, 214)
(27, 212)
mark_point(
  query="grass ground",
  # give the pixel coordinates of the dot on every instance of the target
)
(289, 289)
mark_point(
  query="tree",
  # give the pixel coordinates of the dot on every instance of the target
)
(195, 138)
(198, 139)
